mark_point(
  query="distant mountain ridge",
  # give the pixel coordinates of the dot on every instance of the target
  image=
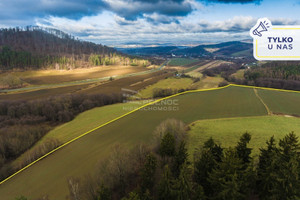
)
(233, 48)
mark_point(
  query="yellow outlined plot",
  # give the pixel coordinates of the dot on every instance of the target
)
(124, 115)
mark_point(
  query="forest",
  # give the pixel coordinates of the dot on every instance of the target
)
(280, 75)
(164, 170)
(36, 47)
(23, 123)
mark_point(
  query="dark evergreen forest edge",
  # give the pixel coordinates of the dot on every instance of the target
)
(280, 75)
(36, 48)
(164, 170)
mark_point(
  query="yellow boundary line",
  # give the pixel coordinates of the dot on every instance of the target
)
(113, 120)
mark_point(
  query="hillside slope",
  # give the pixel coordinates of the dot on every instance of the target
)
(35, 47)
(52, 42)
(49, 176)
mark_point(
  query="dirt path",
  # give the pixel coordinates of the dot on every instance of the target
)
(262, 101)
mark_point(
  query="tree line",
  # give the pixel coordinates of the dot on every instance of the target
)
(280, 75)
(23, 123)
(164, 170)
(225, 70)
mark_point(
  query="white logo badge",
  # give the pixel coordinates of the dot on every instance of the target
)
(275, 42)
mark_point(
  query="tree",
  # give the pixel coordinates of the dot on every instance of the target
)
(243, 151)
(148, 173)
(206, 160)
(104, 193)
(180, 158)
(215, 149)
(167, 145)
(184, 185)
(226, 179)
(289, 169)
(165, 188)
(267, 169)
(279, 169)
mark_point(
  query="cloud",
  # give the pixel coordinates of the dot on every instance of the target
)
(132, 9)
(233, 1)
(99, 29)
(235, 24)
(145, 32)
(156, 18)
(284, 21)
(24, 12)
(123, 21)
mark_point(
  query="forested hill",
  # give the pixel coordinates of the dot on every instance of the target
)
(42, 41)
(35, 47)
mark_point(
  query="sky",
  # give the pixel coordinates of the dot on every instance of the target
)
(130, 23)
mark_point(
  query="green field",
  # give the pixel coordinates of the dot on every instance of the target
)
(228, 131)
(49, 176)
(239, 74)
(281, 102)
(83, 123)
(247, 53)
(195, 74)
(181, 83)
(181, 61)
(208, 82)
(171, 83)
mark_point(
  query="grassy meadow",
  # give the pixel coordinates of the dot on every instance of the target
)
(228, 131)
(208, 82)
(83, 123)
(82, 156)
(239, 74)
(170, 83)
(181, 61)
(182, 83)
(281, 102)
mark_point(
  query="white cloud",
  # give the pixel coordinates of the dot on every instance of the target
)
(110, 29)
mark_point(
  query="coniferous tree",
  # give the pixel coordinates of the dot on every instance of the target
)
(167, 145)
(226, 179)
(288, 174)
(243, 151)
(148, 173)
(279, 169)
(184, 184)
(166, 186)
(205, 161)
(179, 159)
(267, 169)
